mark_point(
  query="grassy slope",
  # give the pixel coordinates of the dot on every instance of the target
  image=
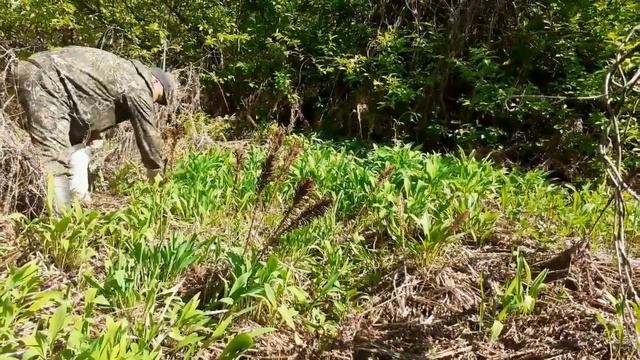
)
(403, 229)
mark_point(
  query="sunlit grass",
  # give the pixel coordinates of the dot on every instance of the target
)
(388, 205)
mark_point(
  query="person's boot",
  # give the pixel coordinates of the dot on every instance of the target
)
(61, 194)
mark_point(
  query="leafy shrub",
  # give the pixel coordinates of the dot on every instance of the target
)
(440, 75)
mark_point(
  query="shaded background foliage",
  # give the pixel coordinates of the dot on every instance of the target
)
(440, 73)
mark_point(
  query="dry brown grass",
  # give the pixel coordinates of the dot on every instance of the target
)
(418, 313)
(22, 185)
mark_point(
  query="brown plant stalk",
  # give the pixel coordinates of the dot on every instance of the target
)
(266, 175)
(292, 155)
(304, 188)
(313, 211)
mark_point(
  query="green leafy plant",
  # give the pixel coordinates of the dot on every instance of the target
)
(68, 238)
(615, 329)
(168, 276)
(520, 294)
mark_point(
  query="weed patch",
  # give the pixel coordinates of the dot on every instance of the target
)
(291, 245)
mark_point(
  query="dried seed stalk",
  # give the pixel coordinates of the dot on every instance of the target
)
(293, 154)
(266, 176)
(277, 139)
(386, 174)
(312, 212)
(239, 154)
(176, 132)
(267, 172)
(269, 164)
(304, 188)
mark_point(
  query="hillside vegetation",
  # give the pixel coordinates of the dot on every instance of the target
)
(438, 73)
(309, 244)
(346, 179)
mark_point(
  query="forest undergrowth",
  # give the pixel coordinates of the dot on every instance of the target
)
(278, 243)
(288, 246)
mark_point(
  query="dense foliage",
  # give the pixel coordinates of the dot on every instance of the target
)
(439, 73)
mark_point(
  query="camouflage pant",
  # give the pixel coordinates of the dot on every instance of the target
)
(48, 122)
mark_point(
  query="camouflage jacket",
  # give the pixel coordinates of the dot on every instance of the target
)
(102, 90)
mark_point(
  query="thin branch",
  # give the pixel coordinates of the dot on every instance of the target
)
(612, 142)
(559, 97)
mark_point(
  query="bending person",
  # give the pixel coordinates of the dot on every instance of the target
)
(70, 95)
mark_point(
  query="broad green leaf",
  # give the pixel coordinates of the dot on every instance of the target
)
(65, 244)
(602, 320)
(43, 299)
(240, 282)
(119, 276)
(527, 270)
(298, 293)
(222, 327)
(90, 295)
(75, 339)
(92, 281)
(188, 311)
(286, 316)
(56, 322)
(260, 331)
(62, 225)
(23, 274)
(101, 300)
(527, 303)
(226, 300)
(330, 283)
(30, 341)
(236, 347)
(188, 340)
(505, 311)
(537, 283)
(271, 296)
(496, 330)
(255, 292)
(30, 354)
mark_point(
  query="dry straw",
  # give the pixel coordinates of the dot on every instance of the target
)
(22, 187)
